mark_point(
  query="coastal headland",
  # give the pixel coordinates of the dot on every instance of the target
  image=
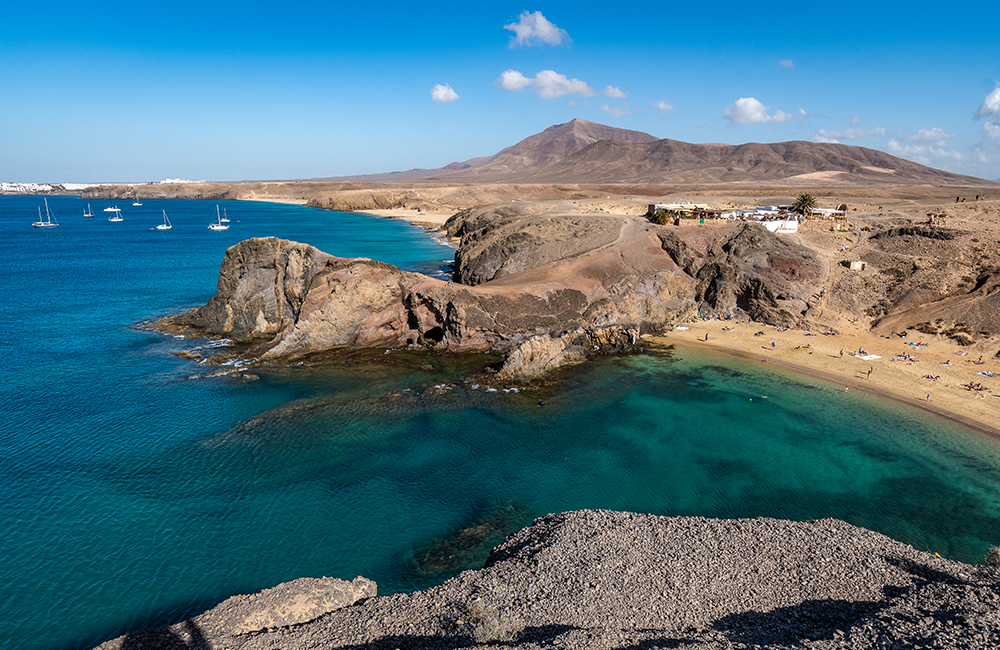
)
(548, 275)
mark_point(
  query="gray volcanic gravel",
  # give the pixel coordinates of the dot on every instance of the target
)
(601, 579)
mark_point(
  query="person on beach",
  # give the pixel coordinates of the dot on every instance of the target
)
(772, 345)
(870, 373)
(841, 352)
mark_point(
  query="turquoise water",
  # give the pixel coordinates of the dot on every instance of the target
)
(134, 495)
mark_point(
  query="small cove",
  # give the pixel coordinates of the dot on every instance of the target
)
(135, 496)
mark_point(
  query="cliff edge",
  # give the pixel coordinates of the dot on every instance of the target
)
(601, 579)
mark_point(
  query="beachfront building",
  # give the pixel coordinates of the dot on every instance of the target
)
(674, 212)
(776, 218)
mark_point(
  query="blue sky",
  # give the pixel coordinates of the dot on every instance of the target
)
(116, 91)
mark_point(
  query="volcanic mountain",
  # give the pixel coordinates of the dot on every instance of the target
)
(550, 146)
(587, 152)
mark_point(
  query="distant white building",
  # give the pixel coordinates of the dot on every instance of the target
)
(783, 227)
(680, 207)
(26, 188)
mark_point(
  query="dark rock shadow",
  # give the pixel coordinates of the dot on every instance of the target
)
(924, 573)
(814, 620)
(656, 644)
(541, 634)
(394, 641)
(165, 639)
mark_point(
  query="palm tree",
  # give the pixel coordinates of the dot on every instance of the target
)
(804, 205)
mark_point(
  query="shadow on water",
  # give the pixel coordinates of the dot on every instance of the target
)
(151, 631)
(467, 548)
(189, 638)
(955, 522)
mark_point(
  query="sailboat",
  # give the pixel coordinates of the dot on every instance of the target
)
(218, 225)
(225, 217)
(111, 207)
(88, 214)
(117, 216)
(136, 201)
(48, 223)
(166, 223)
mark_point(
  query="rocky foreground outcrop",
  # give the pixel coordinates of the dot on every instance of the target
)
(600, 579)
(543, 290)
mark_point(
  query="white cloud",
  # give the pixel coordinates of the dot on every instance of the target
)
(834, 137)
(748, 110)
(532, 28)
(617, 111)
(443, 94)
(663, 107)
(513, 80)
(925, 151)
(549, 84)
(990, 106)
(935, 136)
(786, 63)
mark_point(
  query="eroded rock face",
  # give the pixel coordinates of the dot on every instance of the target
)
(761, 274)
(290, 603)
(262, 285)
(546, 290)
(497, 242)
(739, 268)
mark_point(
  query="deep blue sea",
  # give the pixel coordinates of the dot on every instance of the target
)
(135, 490)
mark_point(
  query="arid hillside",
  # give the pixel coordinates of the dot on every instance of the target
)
(585, 152)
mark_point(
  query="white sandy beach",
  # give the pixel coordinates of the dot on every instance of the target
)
(419, 217)
(819, 354)
(276, 200)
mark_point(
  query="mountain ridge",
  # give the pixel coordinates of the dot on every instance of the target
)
(587, 152)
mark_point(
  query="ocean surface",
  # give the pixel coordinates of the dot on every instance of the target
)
(135, 490)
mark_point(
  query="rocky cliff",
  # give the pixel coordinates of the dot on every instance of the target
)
(599, 579)
(541, 289)
(738, 268)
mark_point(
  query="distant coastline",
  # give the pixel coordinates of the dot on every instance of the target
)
(287, 201)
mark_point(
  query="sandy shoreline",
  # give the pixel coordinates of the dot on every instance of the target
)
(432, 220)
(817, 354)
(263, 199)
